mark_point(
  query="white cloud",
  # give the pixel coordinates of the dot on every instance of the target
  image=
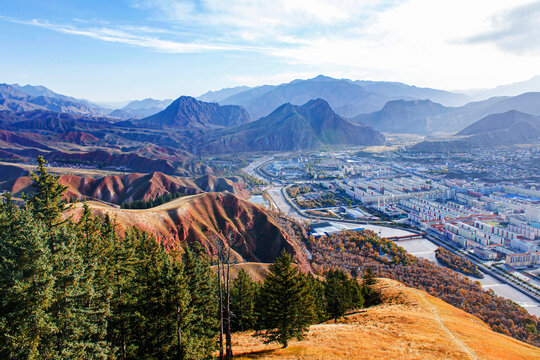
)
(516, 29)
(417, 41)
(130, 35)
(319, 10)
(263, 19)
(421, 42)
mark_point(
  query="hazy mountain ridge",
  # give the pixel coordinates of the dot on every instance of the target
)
(513, 89)
(39, 90)
(138, 109)
(404, 91)
(404, 116)
(423, 117)
(345, 97)
(348, 98)
(219, 95)
(509, 128)
(15, 99)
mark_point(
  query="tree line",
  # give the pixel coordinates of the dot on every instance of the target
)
(456, 262)
(78, 289)
(147, 204)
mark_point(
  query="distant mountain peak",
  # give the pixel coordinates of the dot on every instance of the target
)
(318, 105)
(323, 78)
(293, 127)
(188, 113)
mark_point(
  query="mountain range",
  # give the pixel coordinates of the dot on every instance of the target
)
(50, 100)
(347, 98)
(509, 128)
(292, 127)
(12, 99)
(425, 116)
(118, 189)
(36, 120)
(32, 97)
(514, 89)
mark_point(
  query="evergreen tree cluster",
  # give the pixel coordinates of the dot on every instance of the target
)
(141, 204)
(288, 301)
(77, 290)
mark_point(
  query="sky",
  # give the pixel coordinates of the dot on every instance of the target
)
(118, 50)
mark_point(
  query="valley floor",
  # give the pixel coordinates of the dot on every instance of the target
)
(410, 324)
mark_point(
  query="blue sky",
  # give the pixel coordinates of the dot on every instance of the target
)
(130, 49)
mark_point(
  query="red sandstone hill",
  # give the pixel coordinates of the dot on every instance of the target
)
(104, 158)
(205, 217)
(118, 189)
(77, 137)
(10, 138)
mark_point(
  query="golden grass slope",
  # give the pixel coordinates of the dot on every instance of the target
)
(257, 271)
(409, 324)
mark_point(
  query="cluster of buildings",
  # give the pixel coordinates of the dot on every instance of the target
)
(427, 212)
(287, 169)
(496, 222)
(380, 193)
(460, 196)
(488, 164)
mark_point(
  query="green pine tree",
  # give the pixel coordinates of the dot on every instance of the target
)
(317, 299)
(78, 309)
(243, 293)
(26, 284)
(161, 303)
(357, 298)
(337, 293)
(283, 303)
(79, 302)
(122, 263)
(201, 330)
(47, 200)
(369, 294)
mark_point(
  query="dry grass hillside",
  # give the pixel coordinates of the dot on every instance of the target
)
(257, 271)
(256, 235)
(409, 324)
